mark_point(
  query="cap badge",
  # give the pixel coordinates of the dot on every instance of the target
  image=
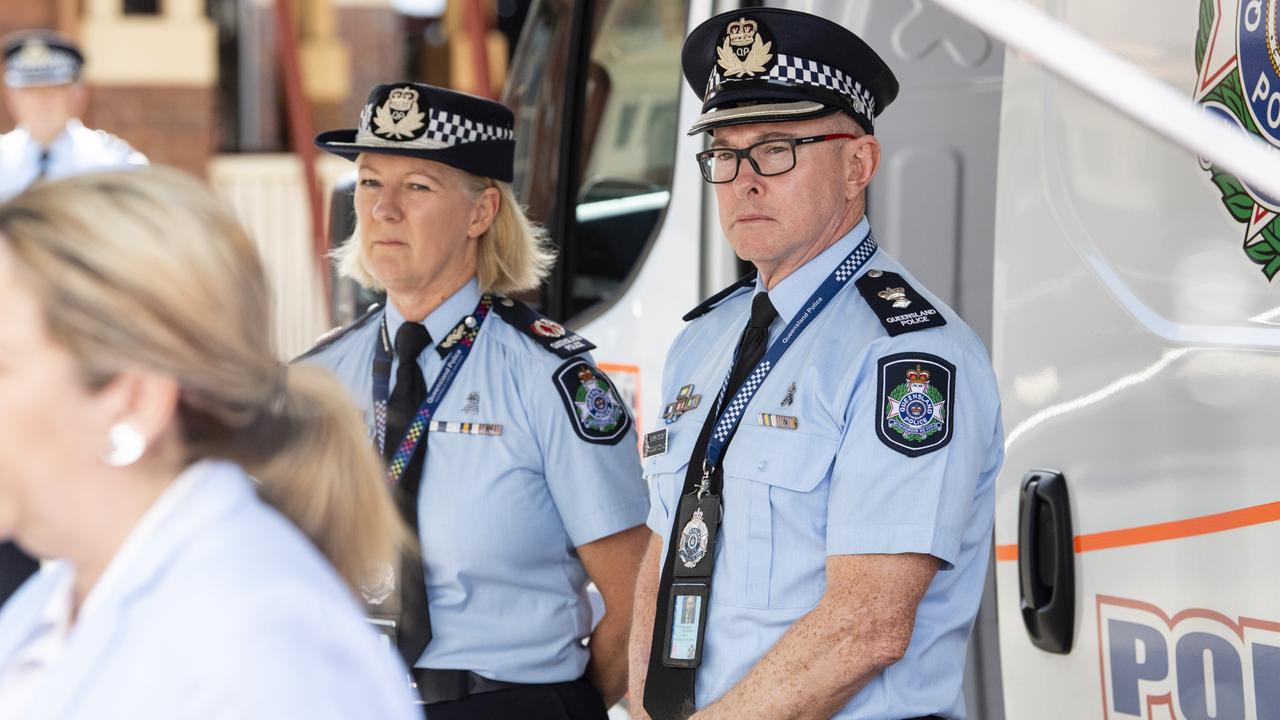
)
(744, 51)
(35, 51)
(897, 296)
(399, 117)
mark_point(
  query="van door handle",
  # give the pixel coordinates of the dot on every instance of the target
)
(1046, 561)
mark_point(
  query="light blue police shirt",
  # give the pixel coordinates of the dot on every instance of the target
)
(77, 149)
(832, 486)
(500, 516)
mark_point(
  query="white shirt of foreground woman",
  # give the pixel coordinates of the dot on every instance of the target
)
(203, 614)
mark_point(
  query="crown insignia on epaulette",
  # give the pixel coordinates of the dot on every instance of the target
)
(897, 296)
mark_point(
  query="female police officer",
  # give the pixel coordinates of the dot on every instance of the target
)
(510, 453)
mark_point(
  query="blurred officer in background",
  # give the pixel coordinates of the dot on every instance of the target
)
(131, 418)
(822, 513)
(44, 95)
(511, 453)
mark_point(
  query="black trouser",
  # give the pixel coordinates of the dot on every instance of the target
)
(576, 700)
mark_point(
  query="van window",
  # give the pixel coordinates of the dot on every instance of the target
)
(622, 140)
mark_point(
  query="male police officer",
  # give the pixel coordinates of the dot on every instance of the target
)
(44, 94)
(821, 483)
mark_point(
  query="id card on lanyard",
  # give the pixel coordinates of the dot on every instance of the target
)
(699, 511)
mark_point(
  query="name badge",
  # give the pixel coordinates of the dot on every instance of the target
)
(655, 444)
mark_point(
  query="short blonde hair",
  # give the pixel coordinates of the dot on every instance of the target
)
(145, 268)
(514, 254)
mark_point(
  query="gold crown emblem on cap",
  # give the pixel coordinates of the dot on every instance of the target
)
(399, 118)
(35, 51)
(742, 32)
(743, 53)
(402, 99)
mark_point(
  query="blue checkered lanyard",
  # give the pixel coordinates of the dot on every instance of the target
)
(729, 418)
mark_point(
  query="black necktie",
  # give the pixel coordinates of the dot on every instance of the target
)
(44, 164)
(668, 691)
(415, 619)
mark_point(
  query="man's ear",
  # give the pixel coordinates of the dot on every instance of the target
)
(864, 160)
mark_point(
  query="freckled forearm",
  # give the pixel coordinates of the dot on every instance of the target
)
(642, 626)
(821, 662)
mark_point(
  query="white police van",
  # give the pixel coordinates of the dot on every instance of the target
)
(1137, 324)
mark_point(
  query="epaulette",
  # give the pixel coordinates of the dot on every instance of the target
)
(898, 306)
(708, 304)
(548, 333)
(338, 333)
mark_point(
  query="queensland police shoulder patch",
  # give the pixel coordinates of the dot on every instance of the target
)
(597, 412)
(551, 335)
(899, 307)
(915, 399)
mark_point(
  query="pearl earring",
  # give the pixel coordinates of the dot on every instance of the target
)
(125, 445)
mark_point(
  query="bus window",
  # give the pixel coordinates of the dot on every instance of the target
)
(623, 136)
(627, 145)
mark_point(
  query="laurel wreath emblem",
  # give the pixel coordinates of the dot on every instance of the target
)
(384, 123)
(750, 65)
(1264, 248)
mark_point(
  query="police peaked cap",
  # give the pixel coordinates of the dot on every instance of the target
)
(419, 120)
(41, 57)
(773, 65)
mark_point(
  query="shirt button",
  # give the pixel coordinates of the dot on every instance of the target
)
(763, 464)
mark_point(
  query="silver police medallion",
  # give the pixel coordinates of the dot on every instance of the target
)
(693, 541)
(379, 584)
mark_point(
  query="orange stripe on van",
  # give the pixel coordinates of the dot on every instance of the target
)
(1160, 532)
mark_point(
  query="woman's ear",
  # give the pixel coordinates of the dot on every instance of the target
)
(146, 403)
(485, 211)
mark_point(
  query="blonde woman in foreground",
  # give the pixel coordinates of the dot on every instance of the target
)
(138, 394)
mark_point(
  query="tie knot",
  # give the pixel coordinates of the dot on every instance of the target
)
(411, 339)
(763, 312)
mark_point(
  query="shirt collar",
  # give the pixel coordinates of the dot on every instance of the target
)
(443, 319)
(790, 294)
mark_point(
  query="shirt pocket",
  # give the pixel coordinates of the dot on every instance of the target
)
(775, 517)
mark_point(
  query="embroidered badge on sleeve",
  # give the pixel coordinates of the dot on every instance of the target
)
(596, 410)
(916, 397)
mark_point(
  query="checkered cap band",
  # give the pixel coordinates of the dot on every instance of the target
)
(55, 67)
(792, 70)
(444, 130)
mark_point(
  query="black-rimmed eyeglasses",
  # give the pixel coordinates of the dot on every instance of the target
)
(767, 157)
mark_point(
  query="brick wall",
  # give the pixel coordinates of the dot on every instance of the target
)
(171, 125)
(375, 37)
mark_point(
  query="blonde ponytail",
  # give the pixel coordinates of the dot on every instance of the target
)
(325, 476)
(145, 268)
